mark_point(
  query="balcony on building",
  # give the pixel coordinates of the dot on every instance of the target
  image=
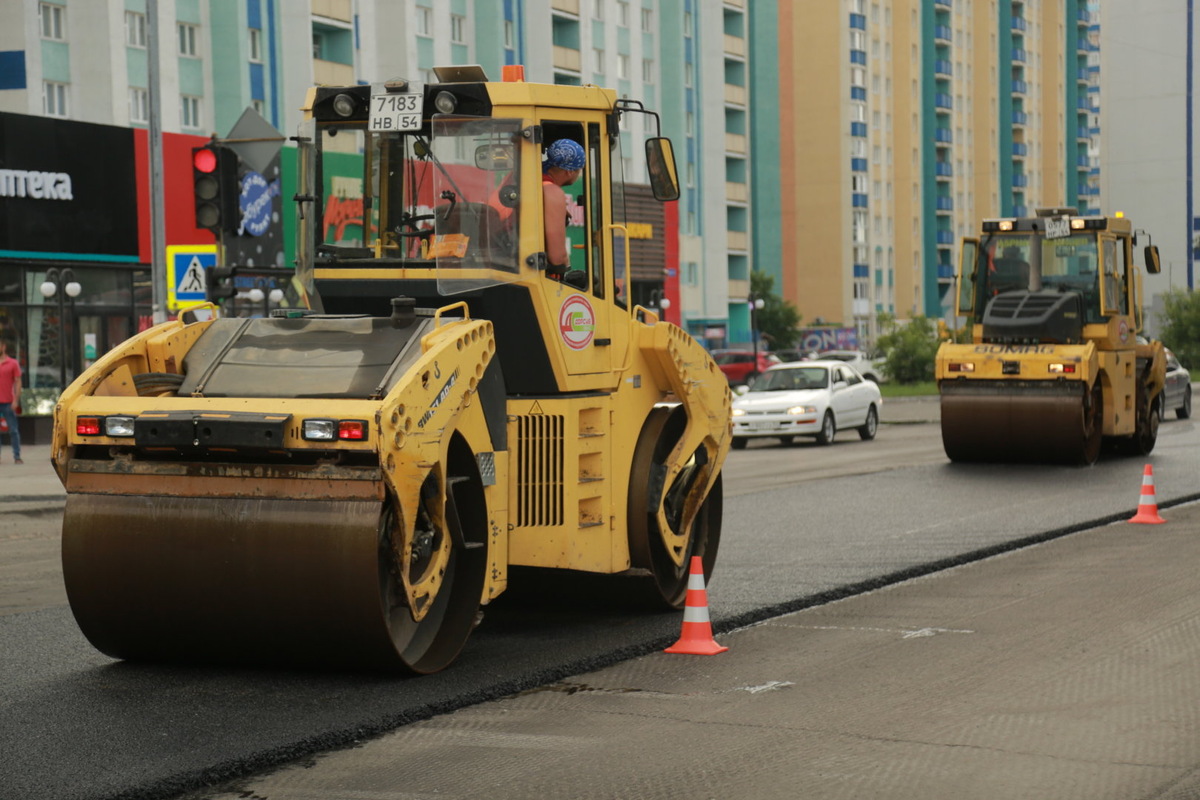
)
(1083, 45)
(1020, 210)
(943, 135)
(565, 6)
(945, 204)
(735, 95)
(735, 46)
(333, 9)
(1020, 149)
(735, 143)
(858, 129)
(736, 192)
(1082, 77)
(737, 240)
(858, 200)
(942, 100)
(858, 165)
(945, 273)
(1019, 86)
(1018, 55)
(1083, 162)
(1019, 179)
(566, 58)
(943, 67)
(858, 21)
(739, 4)
(1018, 23)
(1020, 118)
(941, 3)
(1083, 17)
(943, 170)
(945, 237)
(1082, 134)
(943, 34)
(858, 57)
(1085, 104)
(858, 93)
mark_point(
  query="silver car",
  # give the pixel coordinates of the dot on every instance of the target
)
(1177, 396)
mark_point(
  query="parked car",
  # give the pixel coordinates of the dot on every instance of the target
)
(807, 398)
(1177, 396)
(740, 367)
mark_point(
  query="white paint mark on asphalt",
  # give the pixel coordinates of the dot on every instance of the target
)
(905, 633)
(769, 686)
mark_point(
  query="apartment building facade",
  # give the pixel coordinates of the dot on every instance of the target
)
(906, 122)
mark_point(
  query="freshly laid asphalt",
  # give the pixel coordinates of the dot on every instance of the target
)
(1067, 669)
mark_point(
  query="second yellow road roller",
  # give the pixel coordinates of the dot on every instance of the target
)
(1057, 367)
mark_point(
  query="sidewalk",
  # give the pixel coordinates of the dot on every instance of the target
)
(33, 483)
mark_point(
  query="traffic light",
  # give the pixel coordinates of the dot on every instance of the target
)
(218, 284)
(215, 184)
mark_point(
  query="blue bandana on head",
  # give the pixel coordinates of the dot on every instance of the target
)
(564, 154)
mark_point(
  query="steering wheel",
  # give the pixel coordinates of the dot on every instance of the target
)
(411, 222)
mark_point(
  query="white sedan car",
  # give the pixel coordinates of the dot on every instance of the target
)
(807, 398)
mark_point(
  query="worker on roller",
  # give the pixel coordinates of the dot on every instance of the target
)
(562, 166)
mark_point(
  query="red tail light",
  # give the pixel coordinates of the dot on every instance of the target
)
(87, 426)
(352, 429)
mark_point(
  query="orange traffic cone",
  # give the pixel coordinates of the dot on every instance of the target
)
(697, 638)
(1147, 504)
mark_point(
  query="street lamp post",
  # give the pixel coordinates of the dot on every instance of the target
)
(272, 295)
(756, 303)
(63, 279)
(659, 300)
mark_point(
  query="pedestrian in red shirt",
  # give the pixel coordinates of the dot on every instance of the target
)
(10, 394)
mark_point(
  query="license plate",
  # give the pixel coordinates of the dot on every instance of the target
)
(1058, 227)
(395, 112)
(762, 426)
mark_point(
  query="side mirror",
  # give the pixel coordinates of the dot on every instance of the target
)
(660, 161)
(1153, 265)
(740, 390)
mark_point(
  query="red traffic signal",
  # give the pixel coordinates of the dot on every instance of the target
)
(215, 186)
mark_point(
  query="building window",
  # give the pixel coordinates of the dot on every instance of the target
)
(457, 23)
(647, 20)
(424, 21)
(52, 18)
(256, 45)
(687, 23)
(135, 29)
(509, 39)
(623, 13)
(258, 106)
(189, 111)
(139, 105)
(647, 70)
(689, 74)
(187, 39)
(598, 59)
(622, 65)
(54, 99)
(598, 9)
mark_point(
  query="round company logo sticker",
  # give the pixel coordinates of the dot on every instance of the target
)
(577, 322)
(1123, 331)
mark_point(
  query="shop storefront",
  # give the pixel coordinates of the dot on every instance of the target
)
(74, 244)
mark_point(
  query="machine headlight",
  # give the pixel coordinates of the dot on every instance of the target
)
(118, 426)
(445, 102)
(1062, 369)
(343, 105)
(798, 410)
(739, 412)
(320, 430)
(957, 366)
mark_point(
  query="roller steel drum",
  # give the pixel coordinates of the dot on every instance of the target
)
(250, 580)
(1020, 421)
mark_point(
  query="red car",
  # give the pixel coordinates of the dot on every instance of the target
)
(739, 365)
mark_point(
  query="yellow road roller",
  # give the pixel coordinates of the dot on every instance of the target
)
(1056, 369)
(347, 484)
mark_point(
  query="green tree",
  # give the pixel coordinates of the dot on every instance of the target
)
(908, 350)
(1180, 320)
(778, 321)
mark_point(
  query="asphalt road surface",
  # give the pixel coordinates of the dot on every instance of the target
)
(804, 525)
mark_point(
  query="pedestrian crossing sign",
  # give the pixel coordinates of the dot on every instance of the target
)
(185, 273)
